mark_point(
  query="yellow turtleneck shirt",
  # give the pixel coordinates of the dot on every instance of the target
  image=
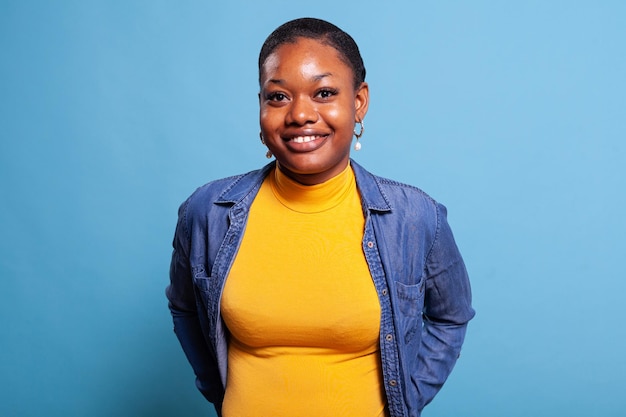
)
(301, 307)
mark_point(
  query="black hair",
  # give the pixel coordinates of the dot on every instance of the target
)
(319, 30)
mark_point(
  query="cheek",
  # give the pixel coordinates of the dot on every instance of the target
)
(333, 113)
(337, 117)
(342, 115)
(267, 118)
(263, 114)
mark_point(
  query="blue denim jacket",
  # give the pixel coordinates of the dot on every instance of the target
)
(419, 275)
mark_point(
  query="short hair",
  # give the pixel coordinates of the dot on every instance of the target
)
(319, 30)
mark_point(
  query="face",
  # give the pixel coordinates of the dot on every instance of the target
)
(308, 109)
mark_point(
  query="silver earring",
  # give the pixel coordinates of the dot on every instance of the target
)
(357, 144)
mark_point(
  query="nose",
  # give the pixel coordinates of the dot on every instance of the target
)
(301, 111)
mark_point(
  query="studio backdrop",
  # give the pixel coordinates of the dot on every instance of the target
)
(512, 114)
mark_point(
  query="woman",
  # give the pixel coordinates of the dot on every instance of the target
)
(312, 287)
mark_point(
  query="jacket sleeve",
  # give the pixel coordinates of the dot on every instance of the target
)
(447, 309)
(189, 315)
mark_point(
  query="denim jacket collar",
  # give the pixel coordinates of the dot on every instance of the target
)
(371, 194)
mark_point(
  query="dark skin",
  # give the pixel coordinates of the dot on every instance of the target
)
(308, 108)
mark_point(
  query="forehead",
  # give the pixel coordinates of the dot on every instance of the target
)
(306, 56)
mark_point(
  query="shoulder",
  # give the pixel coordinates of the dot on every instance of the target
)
(223, 192)
(411, 204)
(403, 190)
(394, 195)
(212, 190)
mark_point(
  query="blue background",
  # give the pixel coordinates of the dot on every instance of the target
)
(112, 112)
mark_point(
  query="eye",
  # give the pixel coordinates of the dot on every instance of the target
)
(276, 96)
(326, 93)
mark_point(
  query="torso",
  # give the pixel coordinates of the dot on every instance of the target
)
(301, 308)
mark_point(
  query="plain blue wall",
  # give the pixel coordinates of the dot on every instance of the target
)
(510, 113)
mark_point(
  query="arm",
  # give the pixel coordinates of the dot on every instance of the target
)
(447, 309)
(187, 314)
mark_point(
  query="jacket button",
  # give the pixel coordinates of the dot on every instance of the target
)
(370, 244)
(384, 291)
(393, 383)
(389, 338)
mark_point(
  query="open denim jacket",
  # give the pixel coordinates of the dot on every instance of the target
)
(418, 272)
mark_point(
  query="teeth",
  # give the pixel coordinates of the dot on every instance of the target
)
(304, 139)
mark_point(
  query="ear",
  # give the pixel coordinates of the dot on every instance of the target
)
(361, 101)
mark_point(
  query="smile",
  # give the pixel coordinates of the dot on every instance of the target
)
(305, 139)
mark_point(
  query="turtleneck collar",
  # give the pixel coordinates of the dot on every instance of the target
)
(312, 198)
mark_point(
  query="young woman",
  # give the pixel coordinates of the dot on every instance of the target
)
(312, 287)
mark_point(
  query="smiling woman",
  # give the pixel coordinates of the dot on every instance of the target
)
(311, 287)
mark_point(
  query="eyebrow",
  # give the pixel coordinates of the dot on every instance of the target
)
(315, 78)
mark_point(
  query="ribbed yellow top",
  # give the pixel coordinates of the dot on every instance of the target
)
(301, 307)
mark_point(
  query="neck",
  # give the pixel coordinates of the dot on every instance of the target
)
(313, 179)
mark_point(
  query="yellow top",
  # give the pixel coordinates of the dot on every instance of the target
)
(301, 307)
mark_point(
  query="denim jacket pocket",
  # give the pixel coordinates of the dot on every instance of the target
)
(202, 282)
(208, 290)
(410, 303)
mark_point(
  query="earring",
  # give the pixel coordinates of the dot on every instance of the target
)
(357, 144)
(268, 154)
